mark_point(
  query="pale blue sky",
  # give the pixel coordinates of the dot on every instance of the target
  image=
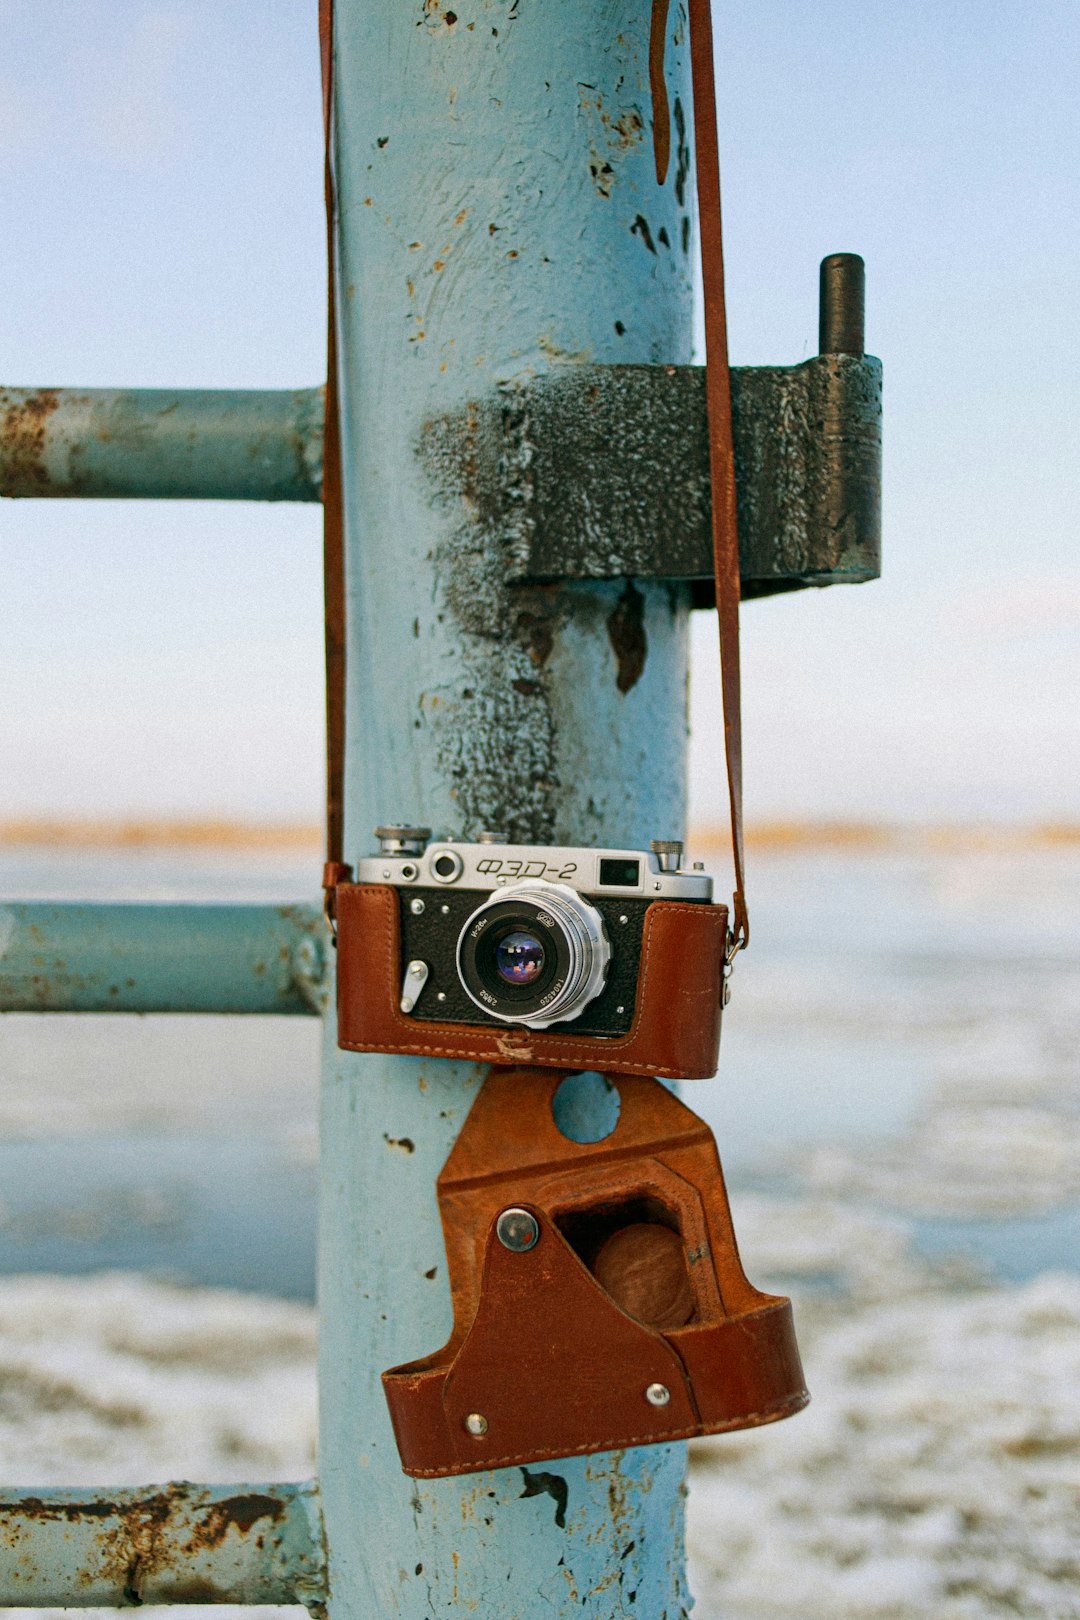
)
(160, 222)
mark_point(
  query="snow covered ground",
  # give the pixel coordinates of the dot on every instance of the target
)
(937, 1469)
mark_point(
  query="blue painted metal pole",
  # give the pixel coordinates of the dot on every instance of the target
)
(177, 1543)
(499, 216)
(207, 444)
(158, 958)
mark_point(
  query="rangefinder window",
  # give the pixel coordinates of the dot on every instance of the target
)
(619, 874)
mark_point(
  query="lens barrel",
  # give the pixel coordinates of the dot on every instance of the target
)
(535, 953)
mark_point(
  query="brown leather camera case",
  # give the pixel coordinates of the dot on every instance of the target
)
(541, 1359)
(675, 1031)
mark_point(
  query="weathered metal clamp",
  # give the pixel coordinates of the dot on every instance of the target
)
(602, 472)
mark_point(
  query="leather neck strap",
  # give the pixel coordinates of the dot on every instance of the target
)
(725, 532)
(333, 507)
(721, 460)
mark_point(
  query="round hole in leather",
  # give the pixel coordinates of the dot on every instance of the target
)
(643, 1268)
(586, 1107)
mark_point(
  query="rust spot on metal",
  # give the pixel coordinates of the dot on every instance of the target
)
(240, 1512)
(435, 18)
(143, 1542)
(640, 227)
(537, 634)
(23, 432)
(682, 167)
(34, 1508)
(197, 1589)
(658, 89)
(135, 1547)
(621, 1497)
(626, 632)
(553, 1485)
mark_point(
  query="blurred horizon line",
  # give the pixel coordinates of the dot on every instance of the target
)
(777, 833)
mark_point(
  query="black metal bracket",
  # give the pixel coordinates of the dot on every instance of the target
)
(602, 472)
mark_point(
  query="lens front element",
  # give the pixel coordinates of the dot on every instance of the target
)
(535, 953)
(519, 957)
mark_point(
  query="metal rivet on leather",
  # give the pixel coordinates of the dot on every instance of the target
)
(517, 1230)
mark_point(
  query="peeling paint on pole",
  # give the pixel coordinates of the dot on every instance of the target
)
(493, 161)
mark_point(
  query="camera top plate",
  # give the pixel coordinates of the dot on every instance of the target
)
(620, 873)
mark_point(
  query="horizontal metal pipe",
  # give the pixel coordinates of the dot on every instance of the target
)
(160, 958)
(162, 443)
(175, 1543)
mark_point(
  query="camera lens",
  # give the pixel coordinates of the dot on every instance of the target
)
(519, 957)
(535, 953)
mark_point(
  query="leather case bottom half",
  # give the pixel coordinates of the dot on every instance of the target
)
(675, 1031)
(542, 1362)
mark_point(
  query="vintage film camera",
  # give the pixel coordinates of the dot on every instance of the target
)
(529, 953)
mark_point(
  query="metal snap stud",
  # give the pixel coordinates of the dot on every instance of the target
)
(658, 1394)
(517, 1230)
(477, 1424)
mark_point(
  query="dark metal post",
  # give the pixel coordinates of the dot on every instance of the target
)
(842, 305)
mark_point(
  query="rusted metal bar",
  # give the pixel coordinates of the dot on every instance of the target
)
(161, 958)
(176, 1543)
(162, 444)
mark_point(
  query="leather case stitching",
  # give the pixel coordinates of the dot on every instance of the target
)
(563, 1047)
(748, 1420)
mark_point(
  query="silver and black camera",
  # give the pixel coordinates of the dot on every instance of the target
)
(529, 935)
